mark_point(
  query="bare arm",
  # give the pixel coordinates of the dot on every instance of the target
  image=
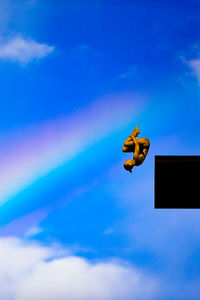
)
(129, 142)
(137, 148)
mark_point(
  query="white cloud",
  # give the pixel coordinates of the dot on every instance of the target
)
(23, 50)
(30, 270)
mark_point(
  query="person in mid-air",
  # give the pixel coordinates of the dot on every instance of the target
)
(139, 147)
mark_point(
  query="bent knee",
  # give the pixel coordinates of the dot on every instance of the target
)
(126, 149)
(146, 142)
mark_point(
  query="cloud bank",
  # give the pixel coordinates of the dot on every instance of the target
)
(39, 272)
(23, 50)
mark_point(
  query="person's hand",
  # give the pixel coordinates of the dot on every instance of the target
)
(135, 132)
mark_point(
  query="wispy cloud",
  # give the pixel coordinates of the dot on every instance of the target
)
(130, 72)
(33, 231)
(27, 225)
(55, 274)
(23, 50)
(32, 153)
(194, 64)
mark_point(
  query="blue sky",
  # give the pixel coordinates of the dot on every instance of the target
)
(76, 78)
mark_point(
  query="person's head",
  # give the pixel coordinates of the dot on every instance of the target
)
(129, 164)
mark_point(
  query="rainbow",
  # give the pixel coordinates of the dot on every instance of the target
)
(30, 153)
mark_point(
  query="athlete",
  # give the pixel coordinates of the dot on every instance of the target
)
(139, 147)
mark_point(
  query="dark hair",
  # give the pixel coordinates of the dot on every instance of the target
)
(128, 166)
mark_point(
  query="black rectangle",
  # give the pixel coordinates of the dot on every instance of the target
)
(177, 181)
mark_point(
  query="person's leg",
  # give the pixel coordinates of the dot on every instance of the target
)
(144, 141)
(140, 160)
(128, 149)
(144, 144)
